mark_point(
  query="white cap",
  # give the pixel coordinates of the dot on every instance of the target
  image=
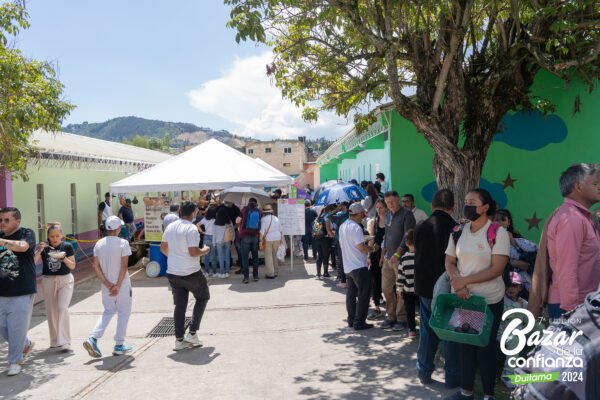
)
(356, 208)
(113, 222)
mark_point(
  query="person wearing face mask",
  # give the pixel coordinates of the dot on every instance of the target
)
(475, 265)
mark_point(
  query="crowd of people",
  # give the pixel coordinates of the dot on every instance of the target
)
(383, 249)
(410, 258)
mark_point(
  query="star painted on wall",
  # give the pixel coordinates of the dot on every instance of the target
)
(509, 182)
(534, 222)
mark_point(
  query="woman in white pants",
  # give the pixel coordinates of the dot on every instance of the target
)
(270, 230)
(58, 259)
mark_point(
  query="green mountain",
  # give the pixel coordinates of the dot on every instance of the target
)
(120, 128)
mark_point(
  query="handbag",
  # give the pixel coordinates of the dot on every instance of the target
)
(229, 234)
(262, 243)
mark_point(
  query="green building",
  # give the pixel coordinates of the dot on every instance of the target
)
(522, 167)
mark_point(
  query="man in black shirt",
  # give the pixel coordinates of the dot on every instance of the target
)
(431, 240)
(17, 286)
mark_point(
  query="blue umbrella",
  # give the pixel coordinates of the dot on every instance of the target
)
(322, 187)
(339, 193)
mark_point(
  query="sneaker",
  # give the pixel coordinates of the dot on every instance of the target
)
(91, 345)
(245, 280)
(399, 326)
(342, 285)
(459, 396)
(387, 324)
(65, 348)
(412, 334)
(27, 350)
(13, 369)
(226, 275)
(182, 345)
(269, 277)
(255, 279)
(362, 326)
(376, 315)
(193, 340)
(326, 276)
(121, 349)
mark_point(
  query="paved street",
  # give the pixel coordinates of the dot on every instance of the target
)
(282, 338)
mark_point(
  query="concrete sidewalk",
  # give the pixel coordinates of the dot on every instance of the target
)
(282, 338)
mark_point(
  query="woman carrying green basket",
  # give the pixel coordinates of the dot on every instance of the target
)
(475, 259)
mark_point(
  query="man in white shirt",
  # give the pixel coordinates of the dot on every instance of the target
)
(111, 256)
(385, 187)
(408, 202)
(172, 216)
(104, 211)
(355, 253)
(180, 244)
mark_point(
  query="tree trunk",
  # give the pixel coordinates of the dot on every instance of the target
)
(459, 174)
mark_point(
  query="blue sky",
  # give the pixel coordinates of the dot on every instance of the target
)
(173, 61)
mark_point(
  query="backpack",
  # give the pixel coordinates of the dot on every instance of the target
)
(573, 382)
(9, 264)
(492, 232)
(318, 228)
(252, 222)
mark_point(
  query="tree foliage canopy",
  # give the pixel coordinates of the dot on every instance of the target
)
(468, 62)
(30, 94)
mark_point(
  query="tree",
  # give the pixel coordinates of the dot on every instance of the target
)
(166, 142)
(30, 95)
(140, 141)
(469, 62)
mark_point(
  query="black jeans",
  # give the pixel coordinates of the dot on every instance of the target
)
(181, 287)
(376, 277)
(359, 287)
(410, 302)
(324, 244)
(249, 244)
(308, 240)
(474, 357)
(341, 275)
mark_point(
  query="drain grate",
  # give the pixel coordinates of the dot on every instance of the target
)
(166, 327)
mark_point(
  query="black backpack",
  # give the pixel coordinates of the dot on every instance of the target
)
(573, 383)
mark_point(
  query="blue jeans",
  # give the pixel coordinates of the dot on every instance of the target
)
(15, 316)
(307, 240)
(428, 344)
(211, 257)
(555, 312)
(223, 250)
(249, 243)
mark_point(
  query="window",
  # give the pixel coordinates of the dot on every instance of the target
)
(74, 208)
(267, 150)
(41, 218)
(286, 164)
(250, 151)
(287, 150)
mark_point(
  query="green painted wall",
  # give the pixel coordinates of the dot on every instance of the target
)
(540, 148)
(329, 171)
(366, 164)
(57, 196)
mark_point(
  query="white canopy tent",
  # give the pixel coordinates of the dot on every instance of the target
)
(210, 165)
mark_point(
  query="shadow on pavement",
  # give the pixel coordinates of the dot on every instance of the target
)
(37, 370)
(378, 360)
(195, 356)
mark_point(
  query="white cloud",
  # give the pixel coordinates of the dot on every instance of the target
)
(246, 97)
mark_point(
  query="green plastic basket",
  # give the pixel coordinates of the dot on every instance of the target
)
(445, 304)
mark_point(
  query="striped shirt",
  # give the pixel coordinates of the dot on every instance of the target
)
(406, 272)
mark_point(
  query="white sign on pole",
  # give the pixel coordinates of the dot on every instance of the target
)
(291, 216)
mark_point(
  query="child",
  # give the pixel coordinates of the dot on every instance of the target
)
(511, 301)
(406, 279)
(58, 259)
(111, 255)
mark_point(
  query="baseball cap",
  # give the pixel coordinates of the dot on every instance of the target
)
(113, 222)
(356, 208)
